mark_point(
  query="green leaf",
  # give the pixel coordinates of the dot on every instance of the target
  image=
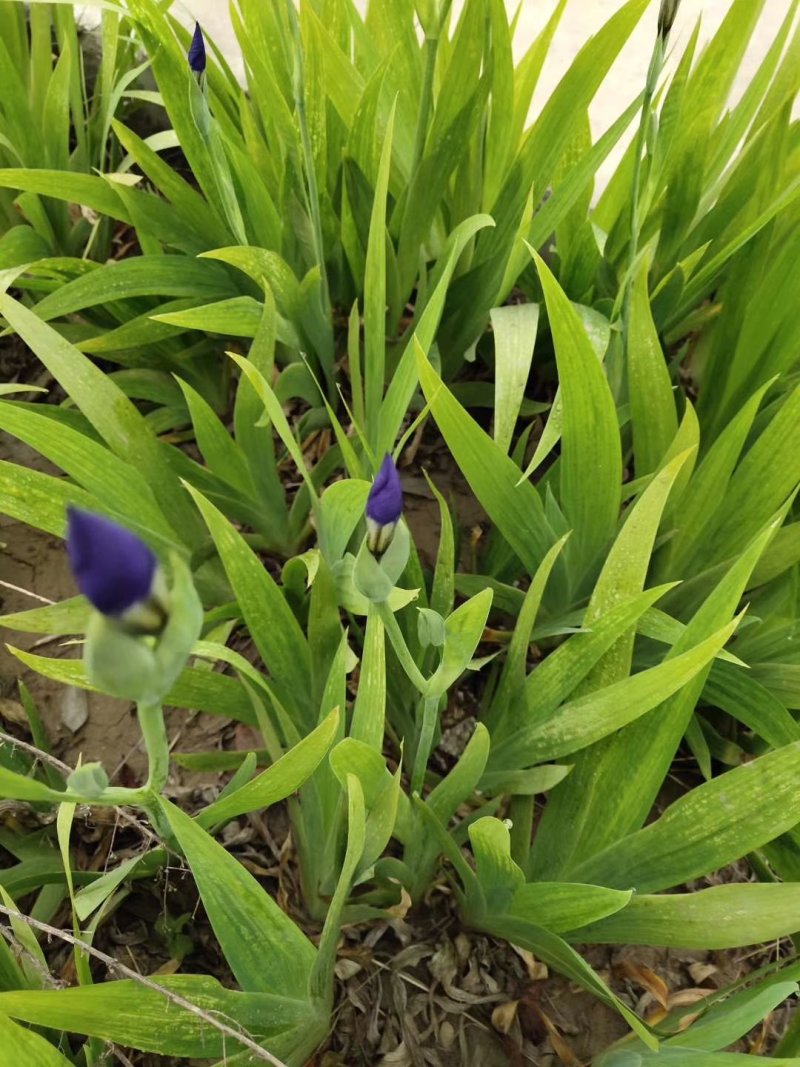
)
(108, 409)
(265, 950)
(563, 906)
(682, 1057)
(653, 413)
(573, 184)
(526, 782)
(706, 492)
(443, 589)
(264, 266)
(238, 316)
(92, 896)
(598, 330)
(713, 825)
(404, 380)
(462, 633)
(65, 617)
(369, 709)
(512, 679)
(121, 487)
(278, 781)
(742, 696)
(498, 875)
(137, 1016)
(516, 509)
(19, 787)
(375, 294)
(381, 792)
(429, 182)
(734, 1017)
(85, 189)
(514, 328)
(591, 458)
(725, 916)
(138, 276)
(273, 627)
(569, 820)
(221, 453)
(29, 1049)
(342, 507)
(549, 684)
(585, 719)
(276, 416)
(184, 198)
(198, 689)
(321, 979)
(422, 850)
(622, 792)
(767, 475)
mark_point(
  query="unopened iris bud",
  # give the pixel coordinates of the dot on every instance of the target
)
(666, 16)
(116, 572)
(197, 51)
(384, 506)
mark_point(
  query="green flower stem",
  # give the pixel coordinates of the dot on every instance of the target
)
(151, 723)
(401, 649)
(154, 732)
(430, 714)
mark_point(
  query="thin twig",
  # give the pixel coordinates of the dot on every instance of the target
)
(25, 592)
(174, 998)
(33, 961)
(39, 753)
(65, 769)
(123, 1059)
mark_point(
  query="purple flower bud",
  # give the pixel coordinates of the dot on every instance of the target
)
(114, 569)
(385, 500)
(384, 506)
(197, 51)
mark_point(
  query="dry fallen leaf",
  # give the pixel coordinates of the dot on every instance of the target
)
(560, 1046)
(347, 969)
(503, 1016)
(447, 1034)
(13, 712)
(647, 979)
(399, 1057)
(685, 997)
(701, 971)
(463, 946)
(537, 971)
(401, 909)
(168, 968)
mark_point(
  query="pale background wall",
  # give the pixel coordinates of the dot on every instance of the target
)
(581, 19)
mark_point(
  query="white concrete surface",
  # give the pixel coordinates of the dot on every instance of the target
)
(627, 77)
(581, 19)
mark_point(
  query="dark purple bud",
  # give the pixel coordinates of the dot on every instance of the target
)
(197, 51)
(113, 568)
(385, 500)
(384, 507)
